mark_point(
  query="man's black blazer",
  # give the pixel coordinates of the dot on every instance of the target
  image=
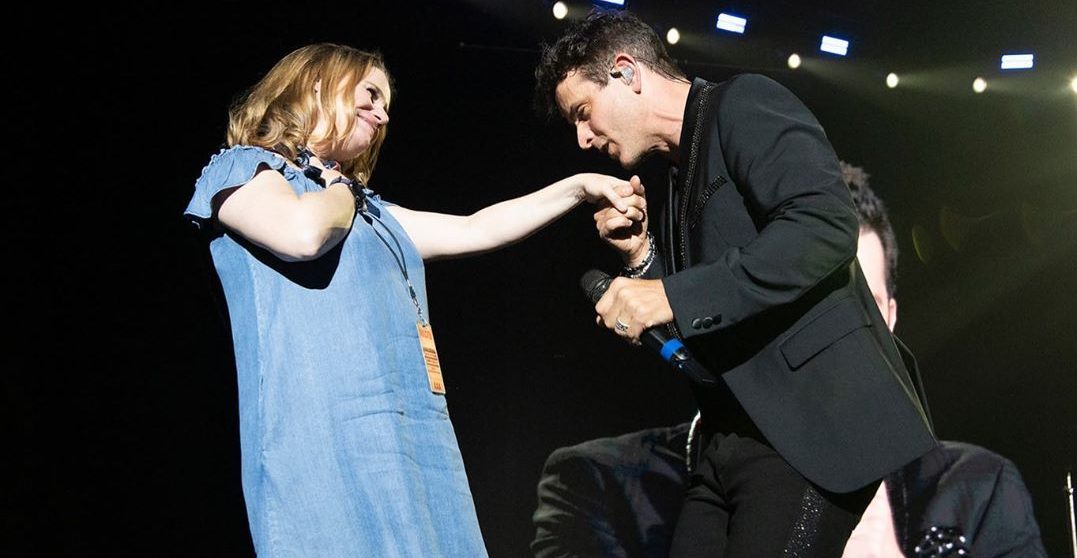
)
(759, 265)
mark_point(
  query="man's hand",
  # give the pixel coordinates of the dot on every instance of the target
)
(631, 306)
(626, 233)
(874, 536)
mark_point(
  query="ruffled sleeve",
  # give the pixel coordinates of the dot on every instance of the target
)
(229, 168)
(371, 194)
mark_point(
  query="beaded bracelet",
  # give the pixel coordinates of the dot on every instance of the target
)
(356, 189)
(636, 272)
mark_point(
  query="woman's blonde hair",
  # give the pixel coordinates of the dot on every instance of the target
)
(280, 111)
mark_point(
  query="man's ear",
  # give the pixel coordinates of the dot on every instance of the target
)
(627, 69)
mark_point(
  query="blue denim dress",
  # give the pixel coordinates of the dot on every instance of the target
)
(346, 450)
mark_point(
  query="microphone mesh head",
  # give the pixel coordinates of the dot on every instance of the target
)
(594, 284)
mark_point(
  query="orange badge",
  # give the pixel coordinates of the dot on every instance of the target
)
(430, 357)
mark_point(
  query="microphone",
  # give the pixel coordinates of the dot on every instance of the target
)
(595, 283)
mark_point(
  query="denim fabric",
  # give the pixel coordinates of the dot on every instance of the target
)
(345, 449)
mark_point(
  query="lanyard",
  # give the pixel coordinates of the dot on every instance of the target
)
(398, 256)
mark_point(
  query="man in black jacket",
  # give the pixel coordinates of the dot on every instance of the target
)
(810, 404)
(621, 496)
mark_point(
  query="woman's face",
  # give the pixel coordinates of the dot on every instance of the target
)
(371, 99)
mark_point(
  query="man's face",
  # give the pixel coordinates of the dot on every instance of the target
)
(605, 118)
(869, 250)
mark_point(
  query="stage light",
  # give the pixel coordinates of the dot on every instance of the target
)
(979, 85)
(794, 61)
(892, 80)
(614, 2)
(731, 23)
(672, 36)
(560, 10)
(834, 45)
(1017, 61)
(1073, 84)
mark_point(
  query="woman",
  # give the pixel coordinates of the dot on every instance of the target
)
(346, 441)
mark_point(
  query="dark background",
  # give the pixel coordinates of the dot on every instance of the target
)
(118, 383)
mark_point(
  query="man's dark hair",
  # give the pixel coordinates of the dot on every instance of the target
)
(589, 47)
(871, 212)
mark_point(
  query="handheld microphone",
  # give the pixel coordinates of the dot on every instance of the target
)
(595, 283)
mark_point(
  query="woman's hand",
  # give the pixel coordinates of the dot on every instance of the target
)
(596, 188)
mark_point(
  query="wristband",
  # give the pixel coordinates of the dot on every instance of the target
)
(356, 190)
(636, 272)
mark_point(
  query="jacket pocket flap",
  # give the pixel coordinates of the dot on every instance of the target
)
(834, 323)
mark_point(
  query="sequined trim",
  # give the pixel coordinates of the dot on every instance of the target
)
(806, 526)
(940, 542)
